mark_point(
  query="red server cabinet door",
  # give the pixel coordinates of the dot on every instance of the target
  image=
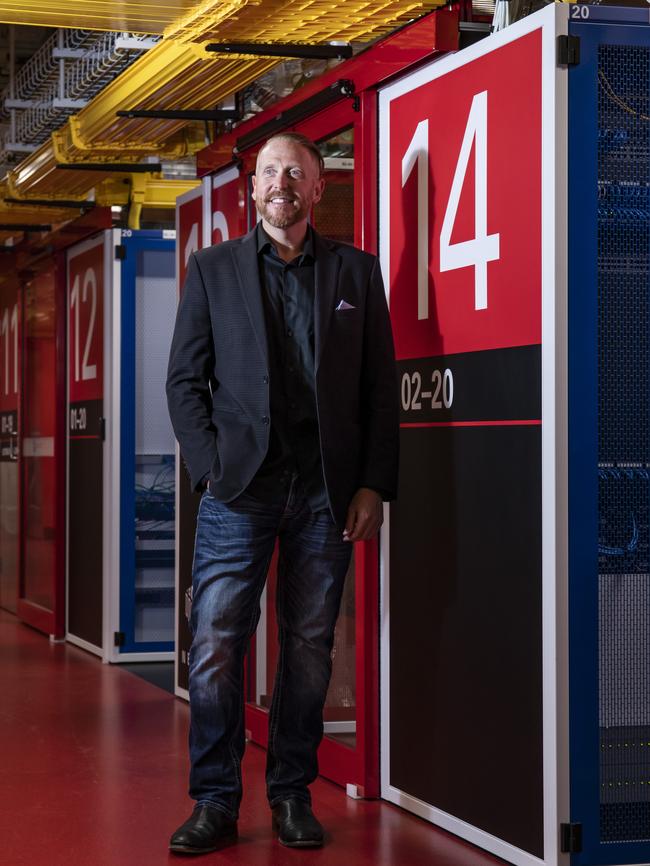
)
(227, 206)
(9, 390)
(207, 215)
(85, 431)
(461, 236)
(190, 231)
(348, 753)
(41, 601)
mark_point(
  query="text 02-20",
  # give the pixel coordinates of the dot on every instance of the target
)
(434, 391)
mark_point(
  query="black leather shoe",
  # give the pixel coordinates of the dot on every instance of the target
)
(205, 830)
(295, 824)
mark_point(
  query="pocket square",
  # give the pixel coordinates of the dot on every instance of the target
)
(343, 305)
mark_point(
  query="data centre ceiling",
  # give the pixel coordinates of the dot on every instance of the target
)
(155, 59)
(137, 17)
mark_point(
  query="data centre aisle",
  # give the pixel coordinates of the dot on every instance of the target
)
(93, 768)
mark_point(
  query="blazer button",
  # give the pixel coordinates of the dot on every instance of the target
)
(265, 419)
(265, 379)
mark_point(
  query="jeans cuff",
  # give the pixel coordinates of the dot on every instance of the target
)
(305, 797)
(219, 807)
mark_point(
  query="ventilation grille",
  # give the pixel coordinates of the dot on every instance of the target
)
(624, 440)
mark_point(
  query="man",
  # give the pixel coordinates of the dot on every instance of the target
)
(283, 395)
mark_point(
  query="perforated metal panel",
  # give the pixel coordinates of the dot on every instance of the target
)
(334, 215)
(624, 440)
(155, 313)
(147, 455)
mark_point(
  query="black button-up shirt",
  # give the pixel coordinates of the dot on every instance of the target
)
(294, 443)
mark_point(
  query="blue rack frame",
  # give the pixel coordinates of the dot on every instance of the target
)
(611, 26)
(134, 243)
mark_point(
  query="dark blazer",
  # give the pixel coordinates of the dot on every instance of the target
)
(218, 377)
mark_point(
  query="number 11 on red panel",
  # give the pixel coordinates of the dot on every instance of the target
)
(9, 357)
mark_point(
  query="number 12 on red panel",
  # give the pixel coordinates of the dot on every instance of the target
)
(465, 204)
(86, 323)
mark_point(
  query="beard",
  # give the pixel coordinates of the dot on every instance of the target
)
(281, 216)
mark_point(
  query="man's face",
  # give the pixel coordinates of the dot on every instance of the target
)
(286, 183)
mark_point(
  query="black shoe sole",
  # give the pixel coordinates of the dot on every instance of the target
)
(222, 842)
(305, 843)
(187, 849)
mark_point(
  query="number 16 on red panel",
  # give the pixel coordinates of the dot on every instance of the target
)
(465, 204)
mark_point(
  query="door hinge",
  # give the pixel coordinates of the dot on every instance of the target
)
(120, 251)
(119, 638)
(568, 50)
(102, 429)
(571, 838)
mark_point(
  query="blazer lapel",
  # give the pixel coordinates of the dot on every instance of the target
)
(326, 277)
(247, 269)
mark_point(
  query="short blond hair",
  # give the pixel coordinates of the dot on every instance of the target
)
(303, 141)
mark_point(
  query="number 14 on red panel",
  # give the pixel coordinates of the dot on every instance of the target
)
(465, 206)
(482, 248)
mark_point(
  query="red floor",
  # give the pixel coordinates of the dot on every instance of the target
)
(93, 768)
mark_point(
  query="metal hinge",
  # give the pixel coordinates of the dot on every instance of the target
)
(568, 50)
(119, 638)
(102, 429)
(120, 251)
(571, 838)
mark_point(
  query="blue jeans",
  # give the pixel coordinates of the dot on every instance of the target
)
(234, 545)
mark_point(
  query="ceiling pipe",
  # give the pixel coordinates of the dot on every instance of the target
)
(126, 167)
(282, 49)
(182, 114)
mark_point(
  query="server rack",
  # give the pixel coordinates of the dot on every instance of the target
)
(121, 541)
(609, 433)
(193, 231)
(527, 626)
(147, 458)
(89, 277)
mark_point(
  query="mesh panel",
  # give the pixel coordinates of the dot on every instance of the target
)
(334, 214)
(155, 313)
(623, 441)
(154, 549)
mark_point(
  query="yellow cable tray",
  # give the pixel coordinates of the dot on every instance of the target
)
(99, 15)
